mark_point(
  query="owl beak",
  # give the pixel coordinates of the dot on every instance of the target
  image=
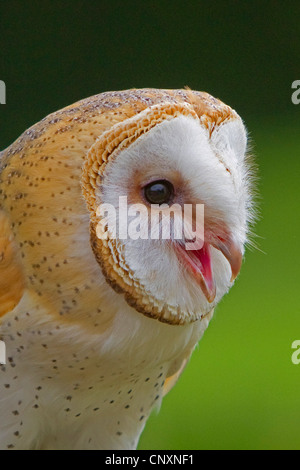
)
(232, 253)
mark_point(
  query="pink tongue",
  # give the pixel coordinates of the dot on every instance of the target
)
(204, 257)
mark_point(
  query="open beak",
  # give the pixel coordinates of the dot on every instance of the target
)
(232, 253)
(198, 262)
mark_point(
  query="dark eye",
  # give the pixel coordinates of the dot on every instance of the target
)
(159, 192)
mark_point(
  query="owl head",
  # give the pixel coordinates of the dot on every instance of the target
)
(181, 153)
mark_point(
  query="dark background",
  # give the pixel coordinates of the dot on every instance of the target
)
(53, 53)
(241, 389)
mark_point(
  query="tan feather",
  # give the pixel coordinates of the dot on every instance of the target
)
(11, 276)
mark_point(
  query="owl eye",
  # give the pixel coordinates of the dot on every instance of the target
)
(159, 192)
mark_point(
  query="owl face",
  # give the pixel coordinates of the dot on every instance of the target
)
(168, 156)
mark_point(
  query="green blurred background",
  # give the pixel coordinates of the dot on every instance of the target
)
(240, 389)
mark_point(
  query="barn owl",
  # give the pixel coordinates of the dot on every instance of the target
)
(98, 330)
